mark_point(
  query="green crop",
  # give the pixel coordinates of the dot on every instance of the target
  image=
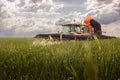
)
(68, 60)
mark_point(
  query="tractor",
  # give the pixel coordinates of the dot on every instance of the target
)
(72, 31)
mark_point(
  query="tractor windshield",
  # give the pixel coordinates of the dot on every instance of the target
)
(67, 29)
(77, 29)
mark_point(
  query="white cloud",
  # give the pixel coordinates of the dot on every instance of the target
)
(43, 4)
(74, 17)
(106, 11)
(30, 17)
(39, 16)
(56, 7)
(112, 29)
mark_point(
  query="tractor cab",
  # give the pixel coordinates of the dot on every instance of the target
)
(73, 31)
(77, 28)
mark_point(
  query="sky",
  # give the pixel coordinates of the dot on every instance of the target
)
(26, 18)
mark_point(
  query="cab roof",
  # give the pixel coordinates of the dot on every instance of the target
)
(71, 25)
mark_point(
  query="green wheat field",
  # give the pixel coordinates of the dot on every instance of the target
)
(26, 59)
